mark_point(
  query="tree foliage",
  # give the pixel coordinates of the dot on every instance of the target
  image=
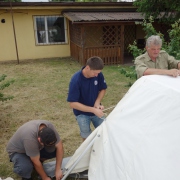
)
(84, 0)
(61, 0)
(3, 86)
(173, 47)
(12, 0)
(155, 7)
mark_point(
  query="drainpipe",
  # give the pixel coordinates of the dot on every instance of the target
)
(14, 32)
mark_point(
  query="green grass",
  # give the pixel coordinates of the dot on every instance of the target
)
(40, 91)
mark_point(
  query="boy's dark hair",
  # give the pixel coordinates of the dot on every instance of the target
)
(95, 63)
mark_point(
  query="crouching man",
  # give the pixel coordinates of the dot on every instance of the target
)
(33, 143)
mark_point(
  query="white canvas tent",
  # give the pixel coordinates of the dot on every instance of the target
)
(140, 139)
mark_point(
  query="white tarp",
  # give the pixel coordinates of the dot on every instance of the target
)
(140, 139)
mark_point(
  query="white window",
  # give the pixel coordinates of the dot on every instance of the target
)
(50, 30)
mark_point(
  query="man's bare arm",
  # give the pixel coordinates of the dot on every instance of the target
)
(59, 158)
(171, 72)
(84, 108)
(39, 167)
(97, 103)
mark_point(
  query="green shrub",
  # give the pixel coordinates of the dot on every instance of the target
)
(3, 86)
(173, 47)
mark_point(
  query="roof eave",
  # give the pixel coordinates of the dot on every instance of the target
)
(109, 22)
(25, 4)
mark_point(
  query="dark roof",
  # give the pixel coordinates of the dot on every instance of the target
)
(102, 16)
(73, 4)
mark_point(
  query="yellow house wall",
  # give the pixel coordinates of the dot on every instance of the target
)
(25, 36)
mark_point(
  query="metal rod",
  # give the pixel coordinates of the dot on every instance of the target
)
(79, 158)
(14, 31)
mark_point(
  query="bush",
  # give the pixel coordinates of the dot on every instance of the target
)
(3, 86)
(173, 47)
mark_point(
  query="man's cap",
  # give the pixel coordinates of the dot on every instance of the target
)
(48, 138)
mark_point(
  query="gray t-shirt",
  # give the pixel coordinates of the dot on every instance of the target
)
(25, 139)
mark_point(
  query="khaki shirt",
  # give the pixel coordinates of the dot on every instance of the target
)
(163, 61)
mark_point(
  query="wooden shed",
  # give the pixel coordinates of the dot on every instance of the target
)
(103, 34)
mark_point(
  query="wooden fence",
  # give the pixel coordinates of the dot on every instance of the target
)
(109, 54)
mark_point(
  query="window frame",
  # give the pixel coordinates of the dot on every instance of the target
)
(46, 30)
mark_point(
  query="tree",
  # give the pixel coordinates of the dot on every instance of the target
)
(170, 8)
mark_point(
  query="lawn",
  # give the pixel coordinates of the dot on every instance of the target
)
(40, 91)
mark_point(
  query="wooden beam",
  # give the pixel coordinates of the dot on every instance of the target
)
(122, 44)
(82, 45)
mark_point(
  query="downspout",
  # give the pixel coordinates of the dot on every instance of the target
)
(14, 32)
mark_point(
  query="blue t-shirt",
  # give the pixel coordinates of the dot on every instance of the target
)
(85, 90)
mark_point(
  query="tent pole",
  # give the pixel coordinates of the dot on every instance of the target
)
(79, 158)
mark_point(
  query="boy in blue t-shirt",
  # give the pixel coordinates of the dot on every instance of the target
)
(86, 90)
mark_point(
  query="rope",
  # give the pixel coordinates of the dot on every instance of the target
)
(109, 108)
(77, 177)
(105, 114)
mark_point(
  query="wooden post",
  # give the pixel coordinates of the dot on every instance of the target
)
(82, 45)
(122, 44)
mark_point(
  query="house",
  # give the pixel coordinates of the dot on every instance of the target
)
(33, 30)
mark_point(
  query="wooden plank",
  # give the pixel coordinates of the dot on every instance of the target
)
(110, 55)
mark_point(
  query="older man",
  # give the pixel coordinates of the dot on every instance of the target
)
(156, 61)
(32, 143)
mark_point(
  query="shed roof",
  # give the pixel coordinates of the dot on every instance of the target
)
(102, 16)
